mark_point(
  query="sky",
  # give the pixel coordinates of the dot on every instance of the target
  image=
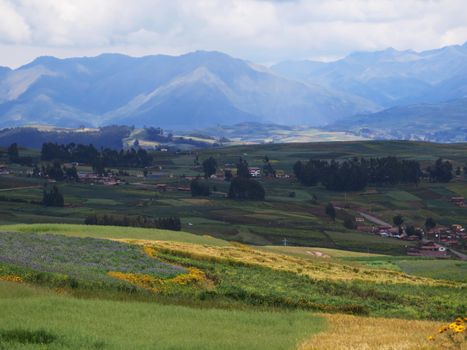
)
(262, 31)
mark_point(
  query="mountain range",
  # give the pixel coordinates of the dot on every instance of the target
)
(369, 91)
(192, 90)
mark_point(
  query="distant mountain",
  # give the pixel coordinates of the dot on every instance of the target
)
(192, 90)
(390, 77)
(440, 122)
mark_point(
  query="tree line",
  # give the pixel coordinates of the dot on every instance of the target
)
(242, 187)
(167, 223)
(99, 159)
(355, 174)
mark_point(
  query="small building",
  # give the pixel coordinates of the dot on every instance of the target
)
(161, 187)
(254, 171)
(429, 249)
(459, 201)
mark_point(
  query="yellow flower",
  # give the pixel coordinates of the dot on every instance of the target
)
(452, 325)
(431, 337)
(460, 329)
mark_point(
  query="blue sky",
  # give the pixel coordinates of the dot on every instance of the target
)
(259, 30)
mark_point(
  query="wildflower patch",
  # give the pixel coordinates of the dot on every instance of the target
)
(194, 276)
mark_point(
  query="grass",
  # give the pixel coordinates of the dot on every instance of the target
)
(83, 258)
(113, 232)
(103, 324)
(315, 269)
(346, 332)
(310, 252)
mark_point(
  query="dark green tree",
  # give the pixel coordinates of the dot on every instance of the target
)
(199, 188)
(398, 220)
(430, 224)
(209, 167)
(13, 153)
(350, 223)
(245, 188)
(441, 171)
(52, 198)
(330, 211)
(242, 168)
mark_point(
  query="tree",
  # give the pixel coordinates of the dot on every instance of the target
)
(245, 188)
(55, 171)
(410, 230)
(13, 153)
(430, 224)
(228, 175)
(53, 198)
(209, 167)
(198, 188)
(330, 211)
(268, 170)
(398, 221)
(242, 168)
(71, 173)
(350, 223)
(441, 171)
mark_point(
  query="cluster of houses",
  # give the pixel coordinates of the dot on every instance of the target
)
(4, 170)
(459, 201)
(93, 178)
(255, 172)
(430, 249)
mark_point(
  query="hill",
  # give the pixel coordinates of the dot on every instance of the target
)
(439, 122)
(192, 90)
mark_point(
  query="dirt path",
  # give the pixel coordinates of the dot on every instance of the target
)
(375, 220)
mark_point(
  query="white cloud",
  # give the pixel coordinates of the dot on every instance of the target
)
(259, 30)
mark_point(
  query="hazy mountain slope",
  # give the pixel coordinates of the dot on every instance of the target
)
(444, 121)
(389, 77)
(200, 87)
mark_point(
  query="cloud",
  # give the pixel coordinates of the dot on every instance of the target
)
(259, 30)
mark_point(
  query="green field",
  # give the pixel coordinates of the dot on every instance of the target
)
(102, 324)
(300, 218)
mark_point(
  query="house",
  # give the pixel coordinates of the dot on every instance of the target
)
(161, 187)
(429, 249)
(254, 171)
(281, 174)
(459, 201)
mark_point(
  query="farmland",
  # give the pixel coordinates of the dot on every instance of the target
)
(241, 274)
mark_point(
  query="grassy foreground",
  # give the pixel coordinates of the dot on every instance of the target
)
(70, 323)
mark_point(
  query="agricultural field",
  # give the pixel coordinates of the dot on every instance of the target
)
(272, 274)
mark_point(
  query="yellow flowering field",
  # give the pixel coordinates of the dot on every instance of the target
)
(154, 284)
(322, 270)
